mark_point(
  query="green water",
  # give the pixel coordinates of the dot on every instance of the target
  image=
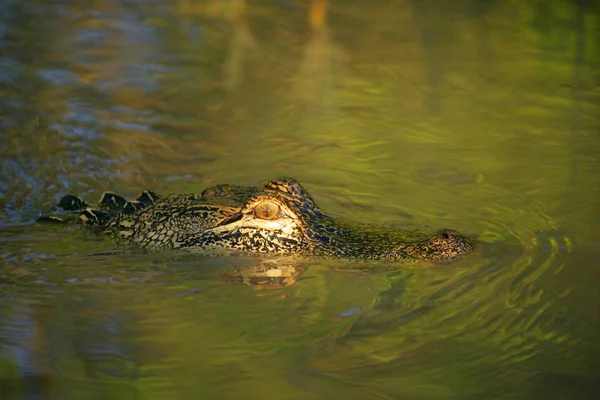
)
(477, 116)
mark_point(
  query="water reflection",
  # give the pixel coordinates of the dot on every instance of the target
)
(476, 115)
(265, 276)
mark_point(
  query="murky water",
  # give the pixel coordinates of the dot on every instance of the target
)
(479, 116)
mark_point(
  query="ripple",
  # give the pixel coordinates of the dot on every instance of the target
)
(498, 299)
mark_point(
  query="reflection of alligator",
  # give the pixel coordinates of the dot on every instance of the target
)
(279, 218)
(263, 275)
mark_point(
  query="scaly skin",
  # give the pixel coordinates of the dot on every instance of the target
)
(280, 218)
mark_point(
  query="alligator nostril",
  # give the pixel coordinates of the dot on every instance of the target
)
(445, 235)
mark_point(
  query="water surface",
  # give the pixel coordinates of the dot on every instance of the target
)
(478, 117)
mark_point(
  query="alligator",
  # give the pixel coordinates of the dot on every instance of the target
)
(280, 218)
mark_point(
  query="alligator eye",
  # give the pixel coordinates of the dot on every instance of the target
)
(267, 210)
